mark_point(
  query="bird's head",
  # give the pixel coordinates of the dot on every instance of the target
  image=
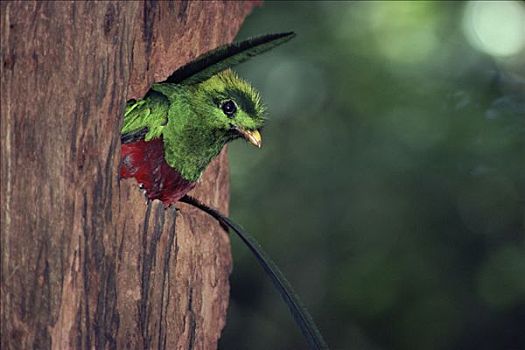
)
(231, 107)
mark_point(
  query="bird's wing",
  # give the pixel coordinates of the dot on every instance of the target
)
(226, 56)
(301, 315)
(144, 119)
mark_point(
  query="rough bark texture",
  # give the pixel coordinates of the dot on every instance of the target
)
(85, 262)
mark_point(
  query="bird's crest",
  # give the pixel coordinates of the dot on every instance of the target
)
(248, 98)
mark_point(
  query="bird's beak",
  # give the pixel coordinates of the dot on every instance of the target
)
(252, 136)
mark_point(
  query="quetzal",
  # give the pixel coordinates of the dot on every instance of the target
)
(171, 135)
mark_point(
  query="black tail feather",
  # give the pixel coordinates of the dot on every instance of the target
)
(226, 56)
(301, 315)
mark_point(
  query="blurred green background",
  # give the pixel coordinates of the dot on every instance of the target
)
(391, 185)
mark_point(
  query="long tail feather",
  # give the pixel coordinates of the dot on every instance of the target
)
(302, 317)
(226, 56)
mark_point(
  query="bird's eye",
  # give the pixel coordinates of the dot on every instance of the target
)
(229, 108)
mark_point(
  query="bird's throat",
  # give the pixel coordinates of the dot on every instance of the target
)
(190, 149)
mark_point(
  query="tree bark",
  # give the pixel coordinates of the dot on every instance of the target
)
(86, 263)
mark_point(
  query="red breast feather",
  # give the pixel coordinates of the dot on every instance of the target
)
(145, 162)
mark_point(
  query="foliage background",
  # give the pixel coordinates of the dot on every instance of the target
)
(390, 187)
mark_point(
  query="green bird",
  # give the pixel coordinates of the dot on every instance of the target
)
(171, 135)
(187, 126)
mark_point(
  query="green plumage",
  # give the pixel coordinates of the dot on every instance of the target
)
(191, 122)
(185, 110)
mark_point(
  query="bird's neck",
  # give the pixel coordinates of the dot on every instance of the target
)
(189, 146)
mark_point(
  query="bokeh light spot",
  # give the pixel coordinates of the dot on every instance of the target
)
(403, 32)
(495, 27)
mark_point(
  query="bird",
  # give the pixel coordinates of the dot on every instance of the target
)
(187, 126)
(169, 137)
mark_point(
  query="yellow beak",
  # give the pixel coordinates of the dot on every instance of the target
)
(252, 136)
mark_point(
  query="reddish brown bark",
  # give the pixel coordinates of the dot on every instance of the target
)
(85, 262)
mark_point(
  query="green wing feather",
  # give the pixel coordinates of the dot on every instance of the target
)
(302, 317)
(226, 56)
(144, 119)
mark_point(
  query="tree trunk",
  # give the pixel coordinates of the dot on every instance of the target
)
(86, 263)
